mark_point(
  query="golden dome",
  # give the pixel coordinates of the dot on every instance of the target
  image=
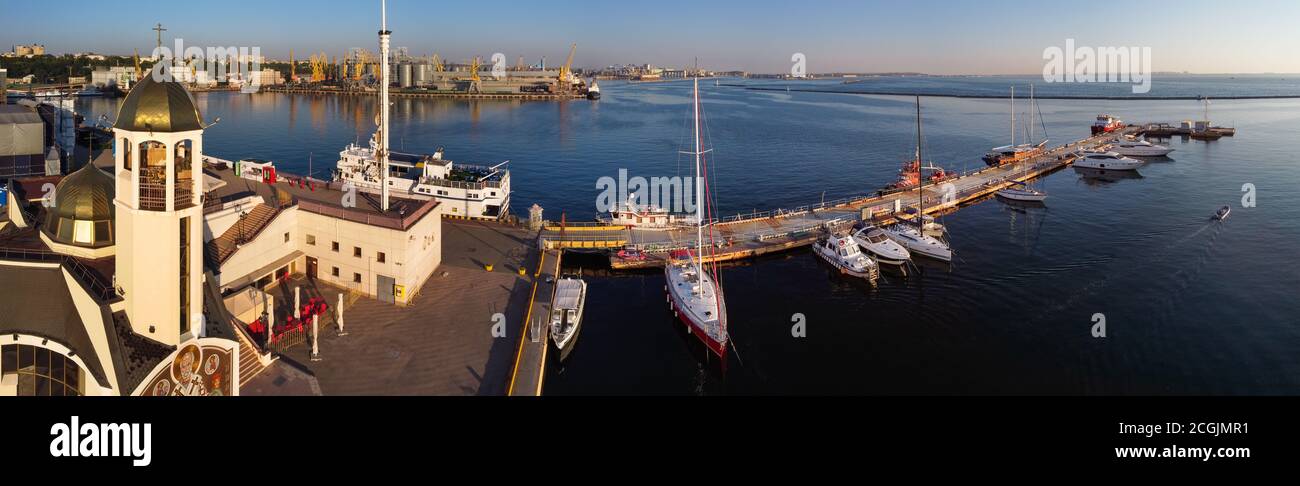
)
(154, 106)
(83, 211)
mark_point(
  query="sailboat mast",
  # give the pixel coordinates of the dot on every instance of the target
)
(1013, 115)
(920, 171)
(699, 185)
(1032, 103)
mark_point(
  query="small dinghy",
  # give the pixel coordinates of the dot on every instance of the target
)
(1223, 213)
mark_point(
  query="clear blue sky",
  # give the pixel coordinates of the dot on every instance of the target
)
(940, 37)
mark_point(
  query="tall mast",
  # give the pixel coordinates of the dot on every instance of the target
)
(384, 35)
(1013, 115)
(1032, 103)
(920, 171)
(699, 185)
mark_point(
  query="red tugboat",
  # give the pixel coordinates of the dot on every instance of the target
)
(910, 176)
(1106, 124)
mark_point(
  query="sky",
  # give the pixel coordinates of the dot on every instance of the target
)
(761, 36)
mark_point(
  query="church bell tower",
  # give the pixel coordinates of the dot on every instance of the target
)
(159, 185)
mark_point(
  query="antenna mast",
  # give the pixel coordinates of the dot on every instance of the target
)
(384, 36)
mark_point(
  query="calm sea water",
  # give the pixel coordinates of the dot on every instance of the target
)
(1192, 307)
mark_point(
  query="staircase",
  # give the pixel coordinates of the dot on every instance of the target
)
(250, 365)
(222, 325)
(247, 229)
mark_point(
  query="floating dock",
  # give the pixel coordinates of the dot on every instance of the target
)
(747, 236)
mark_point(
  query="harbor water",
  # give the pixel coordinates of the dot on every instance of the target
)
(1191, 306)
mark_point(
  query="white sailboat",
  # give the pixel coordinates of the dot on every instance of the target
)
(911, 234)
(1022, 192)
(1013, 153)
(693, 288)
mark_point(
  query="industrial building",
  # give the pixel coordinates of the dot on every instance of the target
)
(23, 142)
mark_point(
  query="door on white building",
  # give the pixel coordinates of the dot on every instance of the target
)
(386, 288)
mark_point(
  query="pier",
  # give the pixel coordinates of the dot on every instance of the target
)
(529, 372)
(745, 236)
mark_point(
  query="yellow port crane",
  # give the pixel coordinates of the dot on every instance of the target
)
(318, 63)
(566, 79)
(475, 65)
(437, 63)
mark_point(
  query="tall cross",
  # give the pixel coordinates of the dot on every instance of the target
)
(159, 28)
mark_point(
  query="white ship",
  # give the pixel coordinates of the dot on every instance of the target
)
(466, 190)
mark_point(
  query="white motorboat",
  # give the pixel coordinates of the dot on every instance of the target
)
(693, 289)
(1019, 191)
(874, 241)
(1223, 213)
(566, 313)
(1106, 161)
(918, 243)
(843, 253)
(1140, 148)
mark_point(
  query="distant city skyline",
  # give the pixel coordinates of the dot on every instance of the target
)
(758, 36)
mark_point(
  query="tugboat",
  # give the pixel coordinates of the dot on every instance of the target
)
(593, 93)
(843, 253)
(1106, 124)
(566, 316)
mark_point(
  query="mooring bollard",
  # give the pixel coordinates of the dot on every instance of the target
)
(489, 267)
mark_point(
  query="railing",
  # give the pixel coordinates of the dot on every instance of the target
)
(471, 186)
(90, 279)
(183, 194)
(153, 188)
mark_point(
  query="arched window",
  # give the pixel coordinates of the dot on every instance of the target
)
(184, 174)
(153, 176)
(33, 371)
(126, 154)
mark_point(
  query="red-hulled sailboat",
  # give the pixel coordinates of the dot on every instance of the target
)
(693, 287)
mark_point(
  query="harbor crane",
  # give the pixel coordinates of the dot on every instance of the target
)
(566, 78)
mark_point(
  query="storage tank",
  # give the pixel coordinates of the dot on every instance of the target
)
(422, 75)
(405, 75)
